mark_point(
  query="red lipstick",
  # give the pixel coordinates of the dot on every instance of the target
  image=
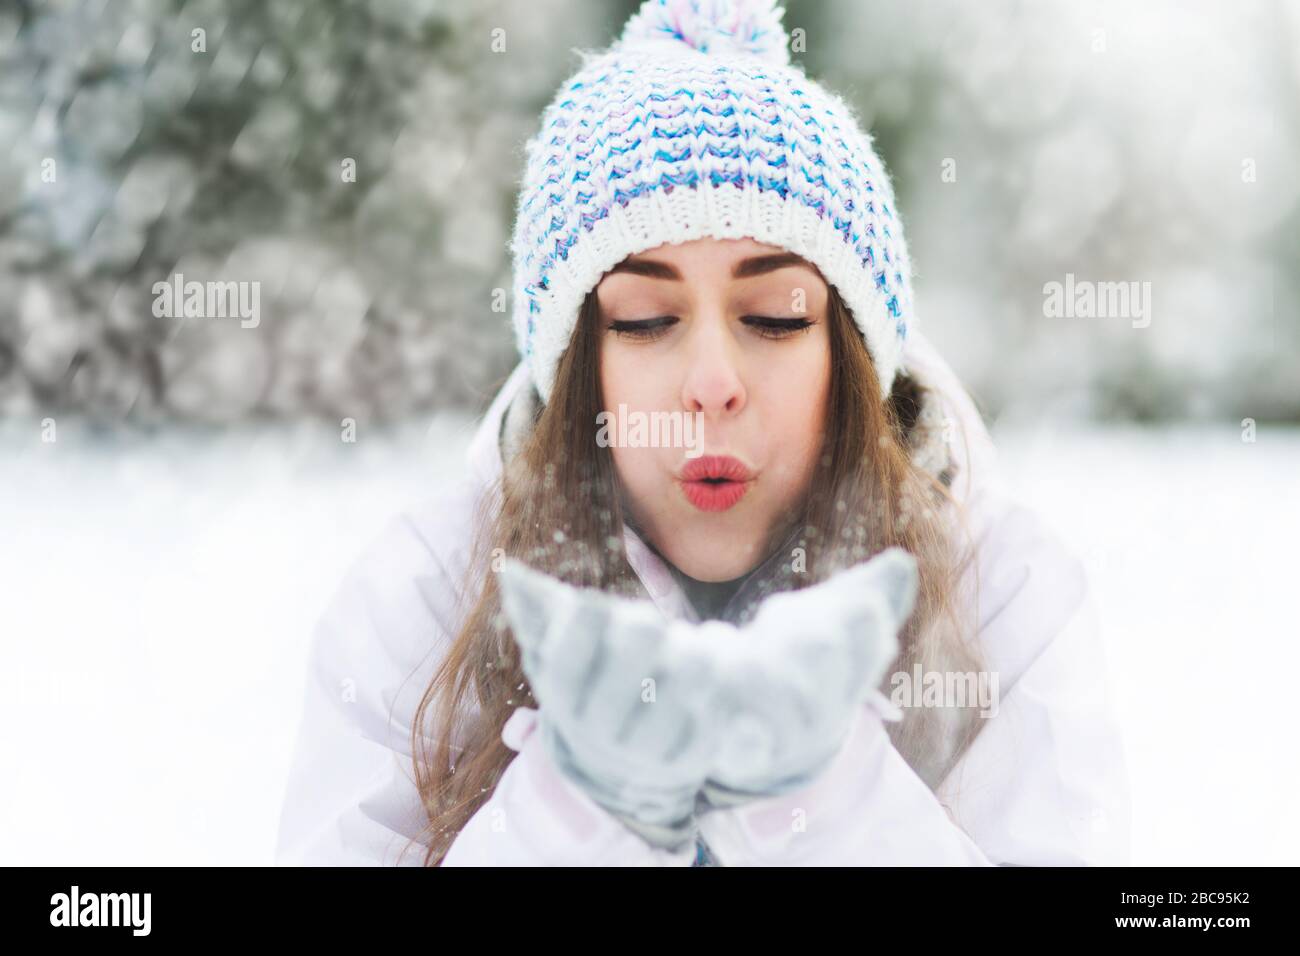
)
(714, 482)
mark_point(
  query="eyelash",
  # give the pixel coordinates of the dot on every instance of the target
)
(650, 329)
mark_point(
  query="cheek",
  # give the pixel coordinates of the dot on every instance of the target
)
(796, 437)
(626, 386)
(794, 413)
(625, 379)
(620, 379)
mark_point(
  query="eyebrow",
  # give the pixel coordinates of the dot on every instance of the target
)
(745, 269)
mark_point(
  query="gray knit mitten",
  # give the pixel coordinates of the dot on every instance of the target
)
(807, 662)
(657, 719)
(626, 699)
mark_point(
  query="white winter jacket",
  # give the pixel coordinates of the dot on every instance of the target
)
(1044, 782)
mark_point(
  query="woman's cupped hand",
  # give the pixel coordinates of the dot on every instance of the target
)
(659, 719)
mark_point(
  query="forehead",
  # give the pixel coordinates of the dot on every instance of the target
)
(704, 269)
(712, 261)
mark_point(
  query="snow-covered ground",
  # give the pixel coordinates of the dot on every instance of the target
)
(156, 596)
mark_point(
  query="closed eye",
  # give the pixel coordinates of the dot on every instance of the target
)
(646, 329)
(649, 329)
(774, 328)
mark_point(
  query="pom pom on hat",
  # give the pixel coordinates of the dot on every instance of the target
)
(731, 27)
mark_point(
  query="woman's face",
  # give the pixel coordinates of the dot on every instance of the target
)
(730, 334)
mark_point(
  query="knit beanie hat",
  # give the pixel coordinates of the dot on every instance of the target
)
(695, 124)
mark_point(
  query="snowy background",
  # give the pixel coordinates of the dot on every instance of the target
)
(1109, 140)
(158, 599)
(162, 561)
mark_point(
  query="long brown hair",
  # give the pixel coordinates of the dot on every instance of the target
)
(557, 507)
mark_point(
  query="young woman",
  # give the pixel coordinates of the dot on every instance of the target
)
(705, 232)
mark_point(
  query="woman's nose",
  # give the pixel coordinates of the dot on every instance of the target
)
(712, 382)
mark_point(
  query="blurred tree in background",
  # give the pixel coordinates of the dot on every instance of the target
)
(228, 163)
(1027, 141)
(1115, 141)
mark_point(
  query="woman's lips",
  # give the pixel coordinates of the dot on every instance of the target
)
(717, 496)
(715, 482)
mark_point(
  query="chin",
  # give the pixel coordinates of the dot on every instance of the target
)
(715, 559)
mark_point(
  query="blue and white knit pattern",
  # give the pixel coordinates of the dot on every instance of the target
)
(695, 124)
